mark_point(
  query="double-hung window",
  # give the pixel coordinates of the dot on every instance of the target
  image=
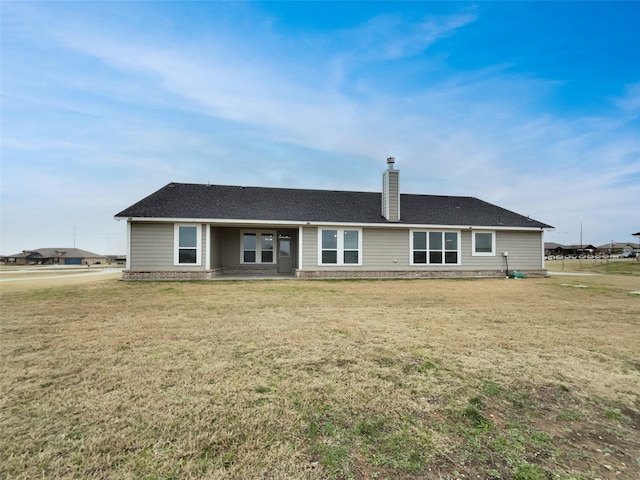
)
(187, 245)
(435, 248)
(339, 246)
(258, 247)
(483, 244)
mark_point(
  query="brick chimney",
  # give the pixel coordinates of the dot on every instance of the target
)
(391, 192)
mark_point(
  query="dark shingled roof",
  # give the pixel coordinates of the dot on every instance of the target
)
(58, 252)
(186, 200)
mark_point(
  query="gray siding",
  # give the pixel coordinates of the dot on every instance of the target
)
(526, 250)
(231, 248)
(309, 248)
(216, 247)
(389, 249)
(152, 247)
(391, 195)
(383, 249)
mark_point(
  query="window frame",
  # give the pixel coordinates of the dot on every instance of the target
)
(427, 250)
(340, 250)
(258, 250)
(177, 247)
(492, 253)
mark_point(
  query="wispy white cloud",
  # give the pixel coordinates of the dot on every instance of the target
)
(392, 37)
(157, 108)
(630, 101)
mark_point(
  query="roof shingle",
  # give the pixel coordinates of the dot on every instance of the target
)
(223, 202)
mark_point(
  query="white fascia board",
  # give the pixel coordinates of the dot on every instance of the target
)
(213, 220)
(503, 228)
(417, 226)
(326, 224)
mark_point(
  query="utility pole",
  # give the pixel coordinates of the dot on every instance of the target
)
(580, 251)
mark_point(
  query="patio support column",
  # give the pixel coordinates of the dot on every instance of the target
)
(207, 246)
(299, 248)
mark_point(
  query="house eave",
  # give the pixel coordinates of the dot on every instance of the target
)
(297, 223)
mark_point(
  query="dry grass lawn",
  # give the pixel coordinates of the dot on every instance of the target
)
(493, 378)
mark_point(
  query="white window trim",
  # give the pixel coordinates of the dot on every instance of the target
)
(440, 230)
(176, 245)
(258, 234)
(492, 253)
(340, 247)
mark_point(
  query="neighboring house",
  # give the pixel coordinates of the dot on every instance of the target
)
(117, 259)
(55, 256)
(557, 249)
(616, 248)
(190, 231)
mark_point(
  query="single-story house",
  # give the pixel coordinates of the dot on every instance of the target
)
(197, 231)
(636, 249)
(556, 249)
(55, 256)
(615, 248)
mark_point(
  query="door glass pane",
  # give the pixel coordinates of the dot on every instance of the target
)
(285, 248)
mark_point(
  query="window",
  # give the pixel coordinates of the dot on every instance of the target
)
(285, 246)
(266, 247)
(249, 247)
(187, 240)
(257, 247)
(434, 248)
(483, 244)
(340, 246)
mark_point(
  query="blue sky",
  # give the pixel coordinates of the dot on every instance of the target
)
(531, 106)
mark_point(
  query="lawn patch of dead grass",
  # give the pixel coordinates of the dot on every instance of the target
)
(315, 379)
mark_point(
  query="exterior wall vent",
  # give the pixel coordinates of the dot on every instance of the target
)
(391, 192)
